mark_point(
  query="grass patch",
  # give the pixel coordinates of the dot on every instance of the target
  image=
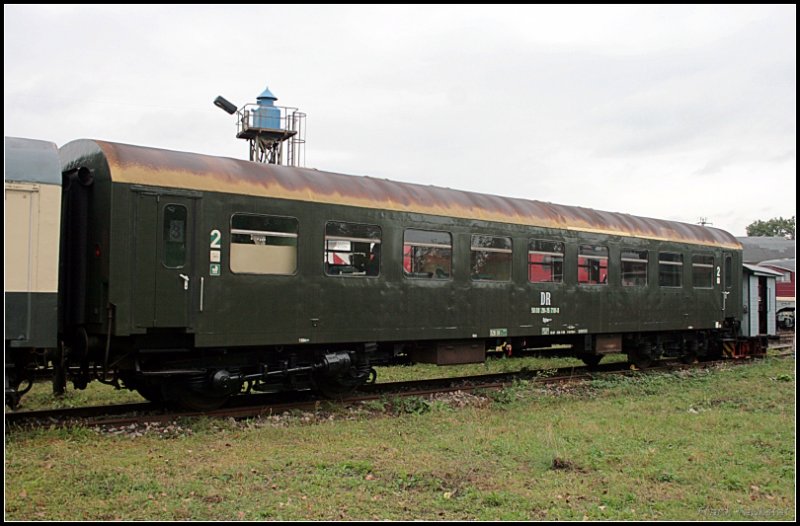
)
(424, 371)
(41, 396)
(701, 445)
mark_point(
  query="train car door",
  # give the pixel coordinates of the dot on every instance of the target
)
(727, 283)
(164, 265)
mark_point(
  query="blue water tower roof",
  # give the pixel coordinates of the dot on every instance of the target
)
(267, 94)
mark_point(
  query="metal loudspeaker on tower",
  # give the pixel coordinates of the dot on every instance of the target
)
(277, 134)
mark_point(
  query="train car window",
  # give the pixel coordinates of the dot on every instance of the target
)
(490, 258)
(352, 249)
(174, 236)
(545, 261)
(262, 244)
(593, 265)
(634, 268)
(702, 272)
(728, 271)
(670, 269)
(427, 254)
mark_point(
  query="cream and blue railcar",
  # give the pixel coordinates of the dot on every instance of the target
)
(32, 230)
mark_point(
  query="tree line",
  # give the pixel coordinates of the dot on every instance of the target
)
(775, 227)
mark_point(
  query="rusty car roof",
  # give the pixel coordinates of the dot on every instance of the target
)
(173, 169)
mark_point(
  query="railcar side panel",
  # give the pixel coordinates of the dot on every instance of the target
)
(31, 238)
(310, 306)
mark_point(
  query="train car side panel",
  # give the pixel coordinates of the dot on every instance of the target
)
(31, 237)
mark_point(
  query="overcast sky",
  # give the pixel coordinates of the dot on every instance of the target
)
(671, 112)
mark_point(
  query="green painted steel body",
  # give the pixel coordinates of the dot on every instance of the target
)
(30, 319)
(125, 269)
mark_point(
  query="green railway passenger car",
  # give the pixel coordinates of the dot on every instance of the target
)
(187, 277)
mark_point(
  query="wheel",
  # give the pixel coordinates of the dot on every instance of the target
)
(333, 387)
(689, 358)
(12, 400)
(344, 384)
(592, 360)
(151, 393)
(186, 396)
(641, 357)
(714, 351)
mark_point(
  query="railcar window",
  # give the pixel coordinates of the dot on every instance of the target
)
(702, 272)
(427, 254)
(634, 268)
(352, 249)
(262, 244)
(490, 258)
(174, 236)
(728, 271)
(545, 261)
(593, 265)
(670, 269)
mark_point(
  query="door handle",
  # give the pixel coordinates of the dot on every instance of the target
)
(185, 279)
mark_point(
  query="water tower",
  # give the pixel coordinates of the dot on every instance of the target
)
(276, 133)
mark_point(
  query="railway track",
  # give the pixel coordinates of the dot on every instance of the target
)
(253, 406)
(786, 340)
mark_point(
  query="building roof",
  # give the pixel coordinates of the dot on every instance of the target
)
(785, 264)
(762, 271)
(756, 249)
